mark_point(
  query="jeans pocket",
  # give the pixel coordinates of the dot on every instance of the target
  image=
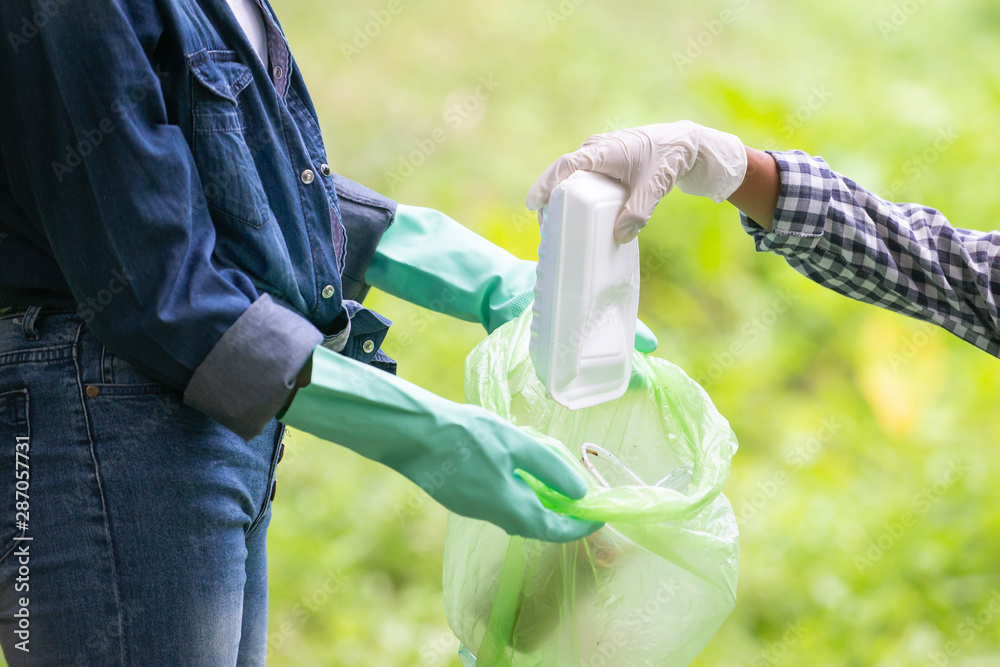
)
(116, 372)
(141, 400)
(158, 403)
(15, 469)
(232, 187)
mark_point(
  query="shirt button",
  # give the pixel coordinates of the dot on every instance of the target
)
(92, 391)
(281, 452)
(325, 169)
(368, 347)
(328, 291)
(274, 489)
(307, 176)
(278, 72)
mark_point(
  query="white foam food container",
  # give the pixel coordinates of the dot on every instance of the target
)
(586, 294)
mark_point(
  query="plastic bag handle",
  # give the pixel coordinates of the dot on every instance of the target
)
(589, 449)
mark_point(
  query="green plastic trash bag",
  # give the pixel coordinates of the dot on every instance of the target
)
(655, 583)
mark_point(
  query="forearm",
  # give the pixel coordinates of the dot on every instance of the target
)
(758, 195)
(903, 257)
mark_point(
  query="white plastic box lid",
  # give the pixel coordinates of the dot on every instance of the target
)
(586, 294)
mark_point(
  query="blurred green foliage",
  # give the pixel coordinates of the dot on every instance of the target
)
(849, 418)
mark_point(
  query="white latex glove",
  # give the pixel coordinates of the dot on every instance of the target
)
(650, 160)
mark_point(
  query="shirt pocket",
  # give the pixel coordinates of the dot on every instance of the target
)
(229, 177)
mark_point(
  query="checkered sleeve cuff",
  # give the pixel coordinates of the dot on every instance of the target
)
(799, 221)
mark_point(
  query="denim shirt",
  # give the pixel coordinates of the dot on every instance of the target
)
(155, 174)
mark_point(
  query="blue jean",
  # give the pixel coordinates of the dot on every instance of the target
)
(144, 521)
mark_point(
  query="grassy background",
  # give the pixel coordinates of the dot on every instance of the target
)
(848, 417)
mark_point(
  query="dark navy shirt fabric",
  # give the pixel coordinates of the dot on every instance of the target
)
(155, 175)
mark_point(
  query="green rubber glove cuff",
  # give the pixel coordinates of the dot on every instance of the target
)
(341, 399)
(429, 259)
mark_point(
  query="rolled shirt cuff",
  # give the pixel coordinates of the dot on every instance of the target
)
(366, 215)
(250, 373)
(803, 203)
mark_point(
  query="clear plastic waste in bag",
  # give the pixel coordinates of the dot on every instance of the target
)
(655, 583)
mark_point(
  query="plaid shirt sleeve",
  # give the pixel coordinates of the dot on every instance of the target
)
(902, 257)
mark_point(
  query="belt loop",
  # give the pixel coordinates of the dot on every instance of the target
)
(28, 323)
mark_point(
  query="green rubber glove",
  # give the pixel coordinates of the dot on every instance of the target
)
(645, 339)
(462, 455)
(429, 259)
